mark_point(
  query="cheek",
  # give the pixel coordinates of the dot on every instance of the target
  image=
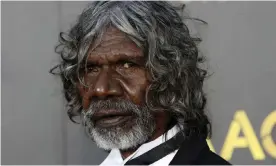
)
(84, 85)
(135, 88)
(84, 91)
(81, 89)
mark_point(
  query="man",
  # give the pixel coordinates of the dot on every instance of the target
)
(131, 71)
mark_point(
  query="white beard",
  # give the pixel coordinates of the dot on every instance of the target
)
(132, 138)
(118, 137)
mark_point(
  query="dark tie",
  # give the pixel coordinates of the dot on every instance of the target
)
(158, 152)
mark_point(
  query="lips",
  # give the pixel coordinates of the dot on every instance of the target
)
(110, 118)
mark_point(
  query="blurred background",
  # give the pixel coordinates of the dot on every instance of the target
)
(239, 42)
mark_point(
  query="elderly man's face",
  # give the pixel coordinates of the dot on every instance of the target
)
(114, 99)
(115, 69)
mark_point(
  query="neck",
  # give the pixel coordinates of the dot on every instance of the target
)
(161, 127)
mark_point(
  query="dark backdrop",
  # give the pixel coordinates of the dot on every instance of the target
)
(239, 43)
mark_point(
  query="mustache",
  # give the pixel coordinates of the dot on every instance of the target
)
(120, 105)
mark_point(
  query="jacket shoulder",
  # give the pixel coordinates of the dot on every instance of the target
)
(195, 151)
(207, 157)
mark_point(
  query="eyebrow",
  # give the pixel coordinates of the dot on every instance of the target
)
(117, 57)
(127, 57)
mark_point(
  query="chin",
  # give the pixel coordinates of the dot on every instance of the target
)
(123, 136)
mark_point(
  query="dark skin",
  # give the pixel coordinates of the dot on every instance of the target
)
(116, 69)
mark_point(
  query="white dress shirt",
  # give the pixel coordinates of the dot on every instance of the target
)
(115, 158)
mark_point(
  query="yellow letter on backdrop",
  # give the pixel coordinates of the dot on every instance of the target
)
(210, 145)
(249, 140)
(266, 129)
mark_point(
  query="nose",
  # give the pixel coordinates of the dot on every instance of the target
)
(106, 86)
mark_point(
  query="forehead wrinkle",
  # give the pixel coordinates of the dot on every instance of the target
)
(113, 46)
(116, 49)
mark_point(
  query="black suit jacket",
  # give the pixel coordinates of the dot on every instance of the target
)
(195, 151)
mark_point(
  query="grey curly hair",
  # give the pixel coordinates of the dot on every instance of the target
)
(172, 55)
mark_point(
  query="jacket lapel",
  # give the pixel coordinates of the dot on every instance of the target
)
(188, 151)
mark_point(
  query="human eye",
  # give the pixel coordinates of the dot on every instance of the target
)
(89, 68)
(92, 68)
(127, 64)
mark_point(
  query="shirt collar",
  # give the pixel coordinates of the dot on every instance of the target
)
(115, 158)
